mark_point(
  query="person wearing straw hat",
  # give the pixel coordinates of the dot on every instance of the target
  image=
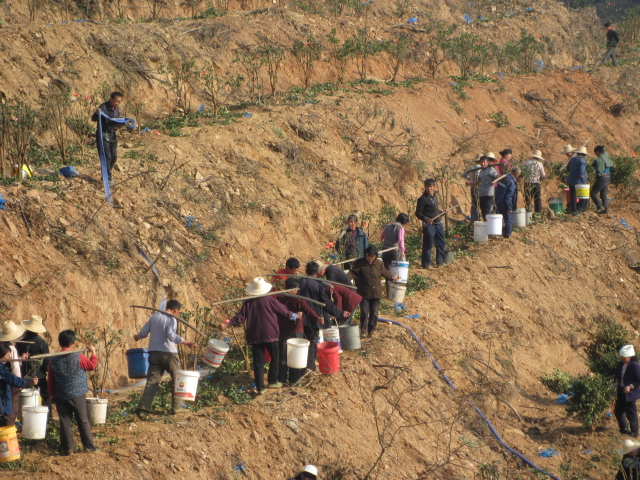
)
(533, 172)
(486, 187)
(630, 464)
(628, 381)
(8, 381)
(163, 355)
(10, 333)
(261, 315)
(577, 175)
(34, 344)
(602, 165)
(309, 472)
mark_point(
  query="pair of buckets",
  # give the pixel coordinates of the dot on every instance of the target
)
(32, 415)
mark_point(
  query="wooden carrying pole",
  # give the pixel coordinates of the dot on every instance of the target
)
(354, 259)
(306, 276)
(450, 208)
(253, 296)
(35, 358)
(174, 316)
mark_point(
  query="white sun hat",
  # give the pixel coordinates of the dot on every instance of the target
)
(568, 149)
(581, 150)
(491, 155)
(34, 324)
(312, 470)
(537, 154)
(10, 331)
(628, 445)
(627, 351)
(259, 286)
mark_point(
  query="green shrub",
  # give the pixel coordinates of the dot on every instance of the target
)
(623, 173)
(417, 283)
(602, 350)
(591, 397)
(558, 381)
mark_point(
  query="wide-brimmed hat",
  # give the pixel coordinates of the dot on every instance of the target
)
(581, 150)
(321, 265)
(567, 149)
(537, 154)
(628, 445)
(627, 351)
(491, 155)
(34, 324)
(313, 470)
(10, 331)
(259, 286)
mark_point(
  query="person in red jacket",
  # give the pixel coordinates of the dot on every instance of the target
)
(291, 267)
(263, 330)
(346, 299)
(289, 330)
(67, 382)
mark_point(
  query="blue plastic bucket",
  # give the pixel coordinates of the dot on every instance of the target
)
(69, 172)
(138, 362)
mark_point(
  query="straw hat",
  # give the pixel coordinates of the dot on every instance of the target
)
(627, 351)
(491, 155)
(313, 470)
(581, 150)
(537, 154)
(10, 331)
(321, 265)
(258, 286)
(628, 445)
(567, 149)
(34, 324)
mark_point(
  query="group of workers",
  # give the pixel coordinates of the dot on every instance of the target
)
(62, 379)
(494, 183)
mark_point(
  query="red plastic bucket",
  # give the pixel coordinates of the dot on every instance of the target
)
(567, 196)
(328, 357)
(267, 355)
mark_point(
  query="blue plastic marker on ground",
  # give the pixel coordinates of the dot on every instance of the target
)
(549, 452)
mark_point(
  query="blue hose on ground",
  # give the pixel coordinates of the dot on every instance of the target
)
(478, 411)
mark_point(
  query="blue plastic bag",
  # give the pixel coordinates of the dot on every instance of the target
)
(549, 452)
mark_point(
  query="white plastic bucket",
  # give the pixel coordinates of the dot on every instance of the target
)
(520, 218)
(494, 224)
(401, 269)
(582, 191)
(29, 397)
(529, 216)
(480, 232)
(297, 352)
(215, 352)
(97, 410)
(396, 293)
(34, 422)
(333, 335)
(186, 384)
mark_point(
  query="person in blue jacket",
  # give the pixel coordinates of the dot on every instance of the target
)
(507, 199)
(628, 382)
(8, 380)
(577, 175)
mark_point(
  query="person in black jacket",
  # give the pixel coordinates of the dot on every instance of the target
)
(612, 43)
(333, 273)
(628, 381)
(432, 229)
(34, 344)
(111, 108)
(315, 290)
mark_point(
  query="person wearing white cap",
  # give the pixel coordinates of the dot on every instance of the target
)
(34, 344)
(630, 465)
(309, 472)
(261, 315)
(533, 172)
(486, 187)
(577, 175)
(628, 381)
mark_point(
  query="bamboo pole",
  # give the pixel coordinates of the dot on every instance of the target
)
(253, 296)
(174, 316)
(354, 259)
(306, 276)
(35, 358)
